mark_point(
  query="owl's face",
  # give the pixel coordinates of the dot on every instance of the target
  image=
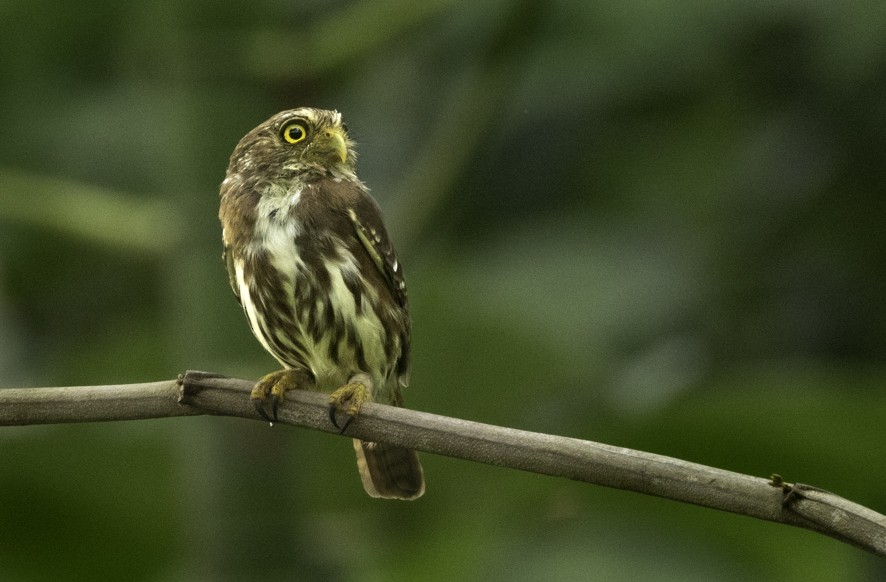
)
(296, 142)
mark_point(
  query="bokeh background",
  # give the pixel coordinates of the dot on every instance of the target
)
(657, 225)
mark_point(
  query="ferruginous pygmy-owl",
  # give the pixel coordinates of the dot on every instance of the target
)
(311, 263)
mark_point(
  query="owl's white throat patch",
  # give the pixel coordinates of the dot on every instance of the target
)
(276, 226)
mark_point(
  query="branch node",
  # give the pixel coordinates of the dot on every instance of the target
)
(797, 491)
(192, 382)
(776, 480)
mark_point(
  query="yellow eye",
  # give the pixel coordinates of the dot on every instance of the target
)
(294, 132)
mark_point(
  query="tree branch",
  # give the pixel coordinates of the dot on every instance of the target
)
(197, 393)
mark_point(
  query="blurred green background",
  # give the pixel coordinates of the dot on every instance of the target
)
(658, 225)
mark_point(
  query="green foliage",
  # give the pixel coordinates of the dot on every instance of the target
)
(656, 225)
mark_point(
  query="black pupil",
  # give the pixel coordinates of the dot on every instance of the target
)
(295, 132)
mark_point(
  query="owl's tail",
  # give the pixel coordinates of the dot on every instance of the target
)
(388, 471)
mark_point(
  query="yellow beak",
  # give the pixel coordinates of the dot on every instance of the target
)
(335, 144)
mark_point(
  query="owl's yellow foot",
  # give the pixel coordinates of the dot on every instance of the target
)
(349, 399)
(272, 387)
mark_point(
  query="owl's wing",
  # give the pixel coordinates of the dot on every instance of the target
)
(376, 242)
(371, 232)
(233, 208)
(228, 258)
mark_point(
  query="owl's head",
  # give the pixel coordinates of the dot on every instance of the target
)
(294, 144)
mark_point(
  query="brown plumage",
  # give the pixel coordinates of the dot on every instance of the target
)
(310, 261)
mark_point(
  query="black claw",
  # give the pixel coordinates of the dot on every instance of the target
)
(275, 404)
(260, 408)
(345, 426)
(332, 418)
